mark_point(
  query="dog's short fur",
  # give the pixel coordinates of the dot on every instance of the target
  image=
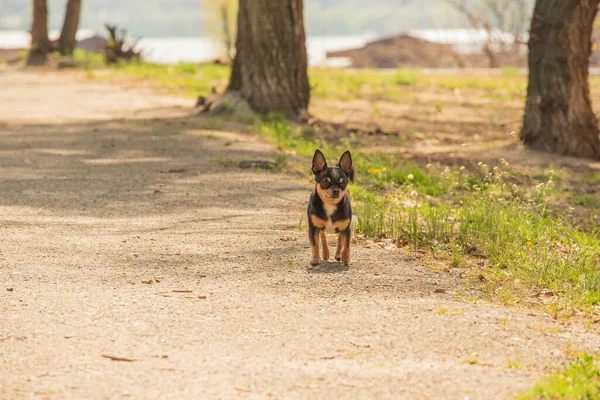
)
(329, 207)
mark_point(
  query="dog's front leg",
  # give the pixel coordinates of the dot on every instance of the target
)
(338, 248)
(313, 237)
(324, 245)
(345, 239)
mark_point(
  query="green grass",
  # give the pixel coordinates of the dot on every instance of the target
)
(586, 200)
(191, 79)
(326, 83)
(478, 214)
(579, 381)
(87, 60)
(277, 129)
(458, 215)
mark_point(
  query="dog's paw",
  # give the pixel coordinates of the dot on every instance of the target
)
(314, 262)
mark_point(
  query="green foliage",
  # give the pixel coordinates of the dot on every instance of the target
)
(186, 68)
(587, 201)
(455, 214)
(481, 214)
(459, 214)
(330, 84)
(510, 71)
(281, 161)
(87, 60)
(579, 381)
(226, 162)
(192, 79)
(373, 85)
(406, 78)
(276, 128)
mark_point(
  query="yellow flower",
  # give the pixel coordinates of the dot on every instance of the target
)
(373, 171)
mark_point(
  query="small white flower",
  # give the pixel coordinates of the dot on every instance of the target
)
(410, 177)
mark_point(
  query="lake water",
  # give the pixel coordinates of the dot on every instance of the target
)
(173, 50)
(199, 49)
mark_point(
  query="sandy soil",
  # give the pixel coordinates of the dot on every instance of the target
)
(104, 188)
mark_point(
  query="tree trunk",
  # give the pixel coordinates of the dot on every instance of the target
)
(40, 44)
(67, 40)
(270, 66)
(558, 112)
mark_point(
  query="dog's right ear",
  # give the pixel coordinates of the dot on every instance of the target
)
(319, 163)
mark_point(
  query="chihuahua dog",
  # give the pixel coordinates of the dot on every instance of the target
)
(329, 207)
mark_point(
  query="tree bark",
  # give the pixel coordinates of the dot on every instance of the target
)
(558, 112)
(40, 43)
(68, 34)
(270, 66)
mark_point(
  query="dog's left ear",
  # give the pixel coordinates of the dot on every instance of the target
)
(346, 164)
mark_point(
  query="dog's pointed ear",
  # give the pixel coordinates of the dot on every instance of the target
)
(346, 164)
(319, 163)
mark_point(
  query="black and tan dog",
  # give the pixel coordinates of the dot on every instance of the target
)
(329, 208)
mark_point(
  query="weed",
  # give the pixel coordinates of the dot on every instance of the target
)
(580, 380)
(277, 129)
(281, 161)
(405, 78)
(510, 72)
(523, 244)
(586, 200)
(473, 360)
(226, 162)
(514, 364)
(485, 214)
(87, 60)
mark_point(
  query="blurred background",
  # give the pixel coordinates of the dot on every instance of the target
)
(449, 33)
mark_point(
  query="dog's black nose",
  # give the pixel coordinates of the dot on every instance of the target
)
(336, 192)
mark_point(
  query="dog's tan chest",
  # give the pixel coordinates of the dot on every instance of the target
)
(328, 225)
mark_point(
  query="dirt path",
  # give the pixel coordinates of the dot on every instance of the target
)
(88, 211)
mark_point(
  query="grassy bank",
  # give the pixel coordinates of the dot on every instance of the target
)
(528, 236)
(579, 381)
(330, 84)
(488, 221)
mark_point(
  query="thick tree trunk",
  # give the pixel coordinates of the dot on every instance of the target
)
(67, 40)
(558, 113)
(270, 66)
(40, 44)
